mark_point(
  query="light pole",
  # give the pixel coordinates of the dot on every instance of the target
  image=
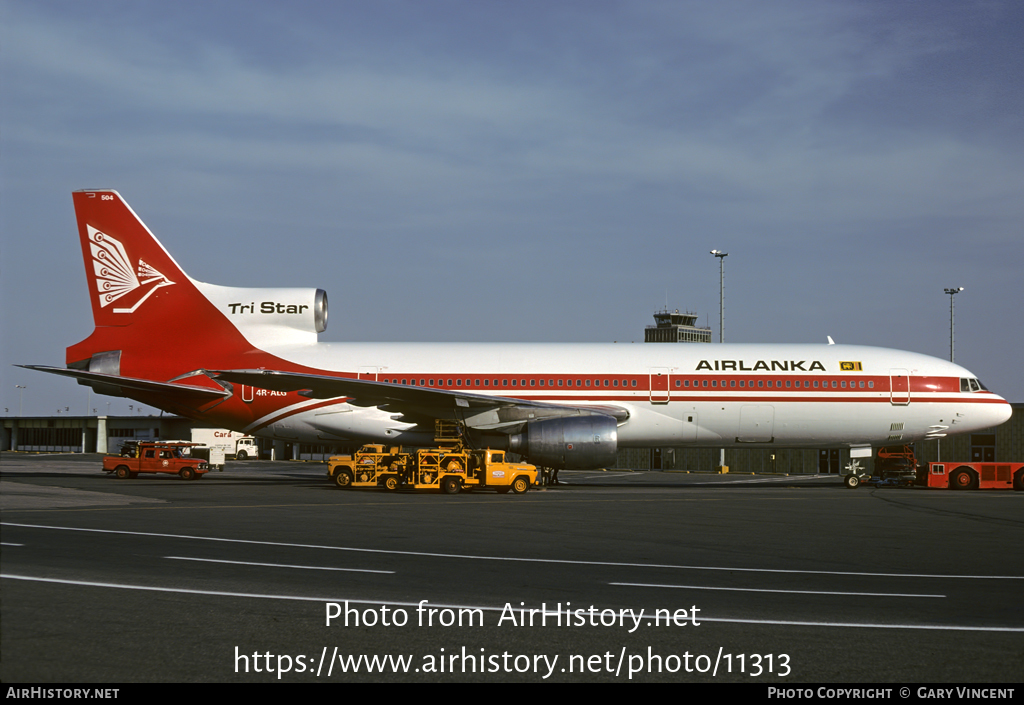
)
(21, 398)
(721, 326)
(721, 293)
(952, 293)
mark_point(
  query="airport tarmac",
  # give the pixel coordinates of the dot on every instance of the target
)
(665, 577)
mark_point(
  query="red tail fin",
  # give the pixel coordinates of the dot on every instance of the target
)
(150, 317)
(124, 264)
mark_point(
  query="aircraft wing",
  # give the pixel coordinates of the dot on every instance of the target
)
(143, 390)
(417, 404)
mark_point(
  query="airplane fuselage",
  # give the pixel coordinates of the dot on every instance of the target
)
(700, 395)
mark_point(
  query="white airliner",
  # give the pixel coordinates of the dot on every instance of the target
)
(249, 360)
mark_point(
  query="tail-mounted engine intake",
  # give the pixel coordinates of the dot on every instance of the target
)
(570, 443)
(271, 316)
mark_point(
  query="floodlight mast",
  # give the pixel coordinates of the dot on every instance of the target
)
(721, 293)
(721, 325)
(952, 292)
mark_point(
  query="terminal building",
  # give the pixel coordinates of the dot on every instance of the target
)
(105, 434)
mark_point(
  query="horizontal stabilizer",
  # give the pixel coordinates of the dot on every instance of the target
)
(133, 387)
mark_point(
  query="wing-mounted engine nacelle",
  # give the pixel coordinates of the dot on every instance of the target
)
(568, 443)
(271, 316)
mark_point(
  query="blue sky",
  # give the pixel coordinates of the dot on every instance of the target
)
(529, 171)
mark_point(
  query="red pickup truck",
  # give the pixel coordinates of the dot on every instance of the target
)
(156, 456)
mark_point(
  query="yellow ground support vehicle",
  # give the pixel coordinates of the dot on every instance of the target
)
(450, 467)
(370, 466)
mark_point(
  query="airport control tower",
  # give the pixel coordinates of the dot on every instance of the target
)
(675, 327)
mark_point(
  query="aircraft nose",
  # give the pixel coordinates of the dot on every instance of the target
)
(1002, 413)
(996, 413)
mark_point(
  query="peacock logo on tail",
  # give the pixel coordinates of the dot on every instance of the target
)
(117, 277)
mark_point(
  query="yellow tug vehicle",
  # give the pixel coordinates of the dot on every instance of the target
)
(450, 467)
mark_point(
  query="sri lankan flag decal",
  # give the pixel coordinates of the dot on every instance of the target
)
(850, 367)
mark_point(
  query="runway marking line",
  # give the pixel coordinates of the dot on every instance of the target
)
(510, 559)
(795, 592)
(303, 598)
(279, 565)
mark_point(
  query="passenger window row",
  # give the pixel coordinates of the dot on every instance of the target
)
(778, 384)
(632, 383)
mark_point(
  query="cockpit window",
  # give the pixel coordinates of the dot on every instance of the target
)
(970, 384)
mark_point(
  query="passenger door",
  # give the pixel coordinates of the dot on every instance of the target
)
(659, 385)
(899, 387)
